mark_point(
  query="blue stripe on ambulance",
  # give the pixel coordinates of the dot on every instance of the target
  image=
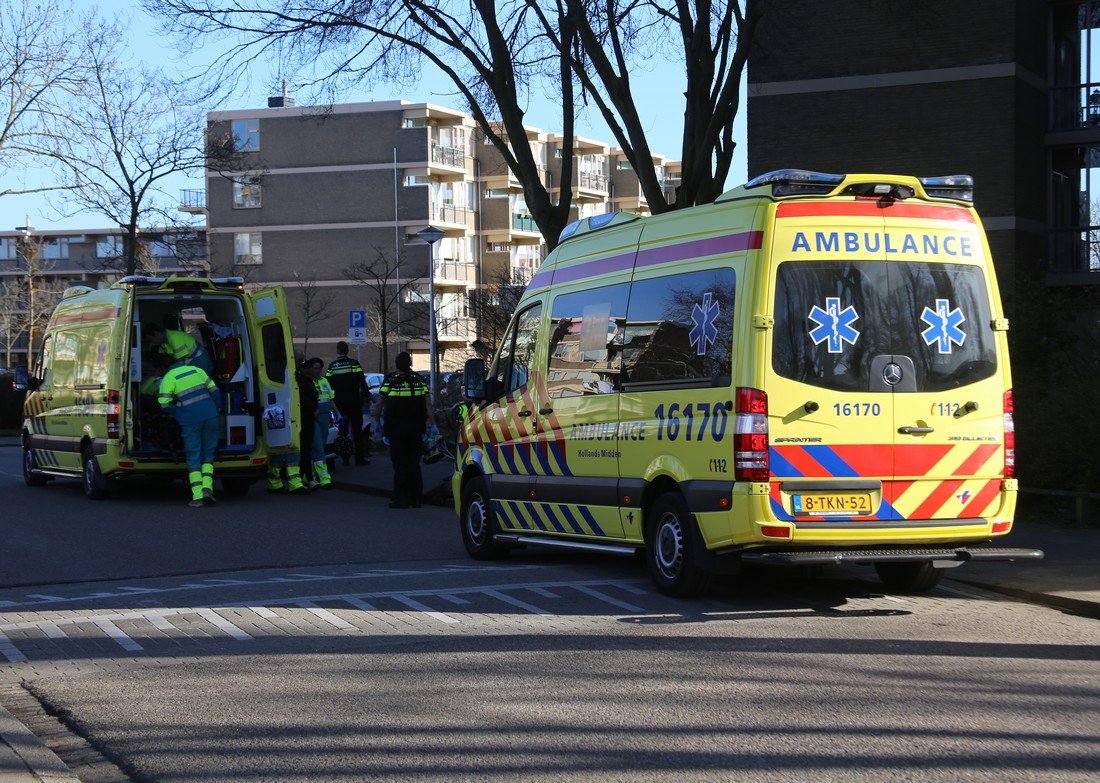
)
(524, 450)
(781, 467)
(549, 512)
(508, 452)
(559, 455)
(831, 461)
(542, 451)
(591, 520)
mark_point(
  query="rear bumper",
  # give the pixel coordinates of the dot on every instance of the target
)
(890, 555)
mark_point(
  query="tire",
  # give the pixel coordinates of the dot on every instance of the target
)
(909, 577)
(670, 548)
(236, 487)
(31, 477)
(95, 483)
(477, 522)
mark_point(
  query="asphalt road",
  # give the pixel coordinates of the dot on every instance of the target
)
(330, 639)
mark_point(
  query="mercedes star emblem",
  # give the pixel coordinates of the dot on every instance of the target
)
(891, 373)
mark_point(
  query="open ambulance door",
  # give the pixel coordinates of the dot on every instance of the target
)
(273, 355)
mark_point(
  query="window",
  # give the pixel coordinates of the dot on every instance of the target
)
(890, 309)
(8, 249)
(498, 247)
(679, 330)
(246, 193)
(417, 180)
(248, 248)
(517, 352)
(55, 247)
(496, 192)
(623, 165)
(414, 295)
(415, 122)
(109, 246)
(246, 135)
(274, 343)
(586, 342)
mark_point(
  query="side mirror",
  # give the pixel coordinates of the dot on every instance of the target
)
(24, 381)
(473, 378)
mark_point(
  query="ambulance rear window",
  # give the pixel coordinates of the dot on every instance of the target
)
(832, 319)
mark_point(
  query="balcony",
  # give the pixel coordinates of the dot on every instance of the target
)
(520, 275)
(458, 329)
(193, 201)
(454, 215)
(447, 162)
(524, 223)
(449, 271)
(591, 181)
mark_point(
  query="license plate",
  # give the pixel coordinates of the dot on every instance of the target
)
(833, 505)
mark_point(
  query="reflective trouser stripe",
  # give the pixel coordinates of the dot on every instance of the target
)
(274, 476)
(195, 477)
(293, 477)
(320, 470)
(207, 477)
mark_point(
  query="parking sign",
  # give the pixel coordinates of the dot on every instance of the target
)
(357, 319)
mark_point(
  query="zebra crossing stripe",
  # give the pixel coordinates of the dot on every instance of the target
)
(264, 612)
(427, 610)
(10, 651)
(608, 599)
(326, 615)
(359, 604)
(116, 634)
(517, 603)
(52, 630)
(217, 620)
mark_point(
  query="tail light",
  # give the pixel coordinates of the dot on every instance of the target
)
(750, 439)
(113, 430)
(1010, 437)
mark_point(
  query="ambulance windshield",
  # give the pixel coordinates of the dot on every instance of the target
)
(832, 319)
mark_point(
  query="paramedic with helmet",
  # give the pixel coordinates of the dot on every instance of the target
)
(188, 394)
(179, 346)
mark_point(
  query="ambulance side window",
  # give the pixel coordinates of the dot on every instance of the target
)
(517, 353)
(63, 366)
(679, 330)
(42, 368)
(274, 352)
(586, 342)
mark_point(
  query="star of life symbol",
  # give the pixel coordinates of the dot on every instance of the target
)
(943, 326)
(703, 331)
(963, 496)
(834, 325)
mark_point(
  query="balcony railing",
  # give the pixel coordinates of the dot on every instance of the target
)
(449, 213)
(450, 269)
(520, 275)
(192, 199)
(523, 223)
(448, 156)
(462, 327)
(590, 181)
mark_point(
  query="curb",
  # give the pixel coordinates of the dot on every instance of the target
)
(42, 763)
(1090, 609)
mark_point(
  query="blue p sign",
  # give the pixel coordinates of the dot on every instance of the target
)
(357, 319)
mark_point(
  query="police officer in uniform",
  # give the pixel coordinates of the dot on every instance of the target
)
(345, 375)
(405, 409)
(189, 394)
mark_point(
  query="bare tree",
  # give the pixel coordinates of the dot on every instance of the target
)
(710, 37)
(37, 68)
(495, 54)
(380, 275)
(11, 318)
(27, 300)
(493, 304)
(131, 128)
(316, 305)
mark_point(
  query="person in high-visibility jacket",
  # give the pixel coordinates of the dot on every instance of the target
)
(322, 422)
(407, 414)
(188, 394)
(179, 346)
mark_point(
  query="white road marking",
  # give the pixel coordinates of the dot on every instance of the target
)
(543, 592)
(326, 615)
(52, 630)
(116, 634)
(216, 619)
(414, 604)
(160, 622)
(608, 599)
(358, 604)
(517, 603)
(10, 651)
(454, 599)
(264, 612)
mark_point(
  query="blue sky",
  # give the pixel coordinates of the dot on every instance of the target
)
(656, 91)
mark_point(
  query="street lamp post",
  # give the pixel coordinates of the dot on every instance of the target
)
(32, 316)
(431, 235)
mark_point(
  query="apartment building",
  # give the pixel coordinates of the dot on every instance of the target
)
(328, 202)
(53, 259)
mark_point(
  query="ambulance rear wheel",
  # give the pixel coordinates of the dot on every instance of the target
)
(31, 477)
(478, 524)
(95, 483)
(670, 550)
(909, 577)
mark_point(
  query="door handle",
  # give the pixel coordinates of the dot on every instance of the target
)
(915, 430)
(525, 413)
(545, 411)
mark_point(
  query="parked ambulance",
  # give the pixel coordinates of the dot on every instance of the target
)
(91, 410)
(812, 369)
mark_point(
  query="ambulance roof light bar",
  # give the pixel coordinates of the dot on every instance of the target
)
(956, 186)
(797, 182)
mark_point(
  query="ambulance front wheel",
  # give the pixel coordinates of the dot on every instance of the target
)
(31, 477)
(477, 522)
(670, 548)
(909, 577)
(95, 483)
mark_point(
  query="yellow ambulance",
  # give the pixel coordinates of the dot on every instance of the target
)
(812, 369)
(91, 411)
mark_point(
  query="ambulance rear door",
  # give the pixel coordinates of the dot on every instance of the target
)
(830, 424)
(273, 356)
(945, 374)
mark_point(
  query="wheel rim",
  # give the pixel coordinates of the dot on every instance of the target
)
(28, 462)
(668, 546)
(477, 521)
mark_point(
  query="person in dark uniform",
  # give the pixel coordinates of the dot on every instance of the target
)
(348, 383)
(307, 395)
(405, 410)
